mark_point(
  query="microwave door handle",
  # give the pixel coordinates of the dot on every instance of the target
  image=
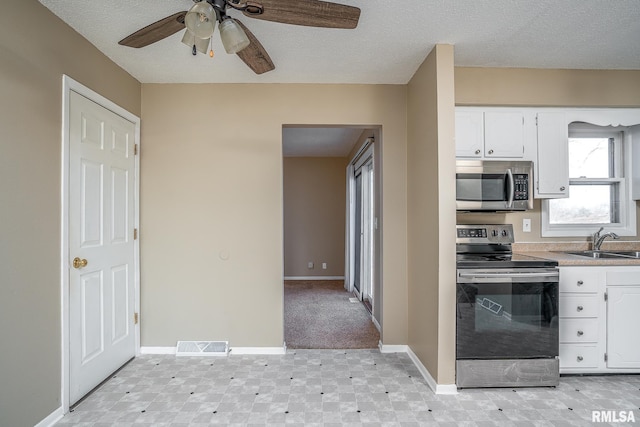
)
(511, 189)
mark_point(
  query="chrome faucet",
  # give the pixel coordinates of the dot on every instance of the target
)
(597, 238)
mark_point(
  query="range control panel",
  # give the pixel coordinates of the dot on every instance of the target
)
(489, 233)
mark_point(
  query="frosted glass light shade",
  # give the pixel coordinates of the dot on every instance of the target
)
(233, 36)
(200, 20)
(190, 39)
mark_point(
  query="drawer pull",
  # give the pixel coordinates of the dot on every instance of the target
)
(580, 283)
(580, 333)
(477, 151)
(580, 308)
(580, 358)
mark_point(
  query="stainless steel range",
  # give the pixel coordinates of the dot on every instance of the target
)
(506, 312)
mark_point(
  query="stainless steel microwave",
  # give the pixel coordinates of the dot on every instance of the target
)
(494, 185)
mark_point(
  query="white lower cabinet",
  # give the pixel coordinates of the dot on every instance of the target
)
(599, 311)
(623, 320)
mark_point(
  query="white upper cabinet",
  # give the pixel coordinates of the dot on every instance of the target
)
(469, 134)
(489, 134)
(503, 134)
(634, 134)
(552, 165)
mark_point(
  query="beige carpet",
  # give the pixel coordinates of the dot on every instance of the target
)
(318, 315)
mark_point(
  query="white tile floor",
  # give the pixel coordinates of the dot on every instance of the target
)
(332, 387)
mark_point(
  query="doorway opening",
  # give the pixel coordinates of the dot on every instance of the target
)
(332, 294)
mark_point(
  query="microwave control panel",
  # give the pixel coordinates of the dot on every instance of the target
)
(521, 181)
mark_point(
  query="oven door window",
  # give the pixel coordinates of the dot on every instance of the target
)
(507, 320)
(478, 187)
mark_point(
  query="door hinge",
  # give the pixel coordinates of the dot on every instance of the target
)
(135, 149)
(135, 234)
(135, 318)
(605, 357)
(606, 297)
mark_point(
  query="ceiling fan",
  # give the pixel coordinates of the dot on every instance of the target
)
(201, 19)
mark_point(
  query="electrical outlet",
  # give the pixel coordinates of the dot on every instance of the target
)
(324, 265)
(310, 264)
(526, 225)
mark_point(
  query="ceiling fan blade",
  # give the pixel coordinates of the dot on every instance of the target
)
(156, 31)
(254, 55)
(310, 13)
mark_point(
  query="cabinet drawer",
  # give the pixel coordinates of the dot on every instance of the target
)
(578, 356)
(578, 280)
(578, 306)
(578, 330)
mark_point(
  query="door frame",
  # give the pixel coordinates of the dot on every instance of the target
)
(69, 85)
(362, 157)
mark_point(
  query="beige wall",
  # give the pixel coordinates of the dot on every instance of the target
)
(431, 218)
(314, 215)
(36, 48)
(552, 88)
(212, 208)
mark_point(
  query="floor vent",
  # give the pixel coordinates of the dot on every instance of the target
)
(354, 300)
(202, 348)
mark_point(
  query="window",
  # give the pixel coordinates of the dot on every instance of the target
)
(597, 186)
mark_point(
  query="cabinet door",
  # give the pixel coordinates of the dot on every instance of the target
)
(623, 318)
(469, 133)
(503, 134)
(552, 177)
(635, 162)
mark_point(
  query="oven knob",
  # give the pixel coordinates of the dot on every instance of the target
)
(494, 233)
(505, 233)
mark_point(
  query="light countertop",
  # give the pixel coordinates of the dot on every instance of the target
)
(556, 251)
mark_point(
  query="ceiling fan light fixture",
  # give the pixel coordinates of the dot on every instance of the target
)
(191, 40)
(201, 20)
(233, 36)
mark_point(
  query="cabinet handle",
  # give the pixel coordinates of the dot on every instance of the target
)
(580, 333)
(580, 358)
(562, 188)
(580, 308)
(580, 283)
(477, 151)
(490, 151)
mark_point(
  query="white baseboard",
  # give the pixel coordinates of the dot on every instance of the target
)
(314, 278)
(433, 385)
(377, 325)
(52, 418)
(232, 350)
(157, 350)
(258, 350)
(392, 348)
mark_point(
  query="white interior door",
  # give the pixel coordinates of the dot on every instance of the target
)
(101, 240)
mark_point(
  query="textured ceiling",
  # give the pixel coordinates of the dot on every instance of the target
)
(388, 45)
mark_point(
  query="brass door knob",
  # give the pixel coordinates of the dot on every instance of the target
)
(79, 263)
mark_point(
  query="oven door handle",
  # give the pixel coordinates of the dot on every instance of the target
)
(509, 275)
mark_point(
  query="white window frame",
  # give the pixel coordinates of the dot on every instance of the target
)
(622, 163)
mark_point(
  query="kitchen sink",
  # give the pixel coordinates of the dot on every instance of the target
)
(606, 254)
